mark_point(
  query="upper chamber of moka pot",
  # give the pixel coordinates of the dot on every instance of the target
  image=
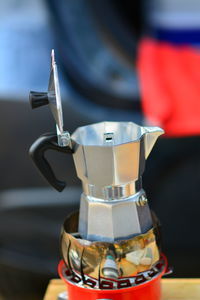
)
(110, 157)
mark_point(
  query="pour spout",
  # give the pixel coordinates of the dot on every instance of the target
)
(150, 137)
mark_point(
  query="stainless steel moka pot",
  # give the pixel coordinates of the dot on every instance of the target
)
(113, 238)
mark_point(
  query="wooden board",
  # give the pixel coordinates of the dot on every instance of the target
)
(173, 289)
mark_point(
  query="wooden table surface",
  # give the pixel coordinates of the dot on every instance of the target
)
(173, 289)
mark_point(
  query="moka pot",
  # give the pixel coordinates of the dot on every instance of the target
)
(110, 249)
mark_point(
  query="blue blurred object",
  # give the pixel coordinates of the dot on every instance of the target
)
(26, 42)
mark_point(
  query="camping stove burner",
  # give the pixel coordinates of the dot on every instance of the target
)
(109, 284)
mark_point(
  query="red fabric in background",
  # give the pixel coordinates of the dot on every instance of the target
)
(170, 86)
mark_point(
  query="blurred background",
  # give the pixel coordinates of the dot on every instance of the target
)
(118, 61)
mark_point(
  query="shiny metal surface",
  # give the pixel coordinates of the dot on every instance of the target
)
(55, 104)
(121, 259)
(110, 156)
(131, 257)
(112, 192)
(110, 160)
(54, 94)
(109, 221)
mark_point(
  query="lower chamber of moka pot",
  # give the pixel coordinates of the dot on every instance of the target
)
(147, 288)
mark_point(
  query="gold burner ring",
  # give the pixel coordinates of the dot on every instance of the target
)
(122, 259)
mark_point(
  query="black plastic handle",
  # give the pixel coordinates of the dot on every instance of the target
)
(37, 153)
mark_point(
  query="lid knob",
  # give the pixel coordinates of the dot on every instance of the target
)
(38, 99)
